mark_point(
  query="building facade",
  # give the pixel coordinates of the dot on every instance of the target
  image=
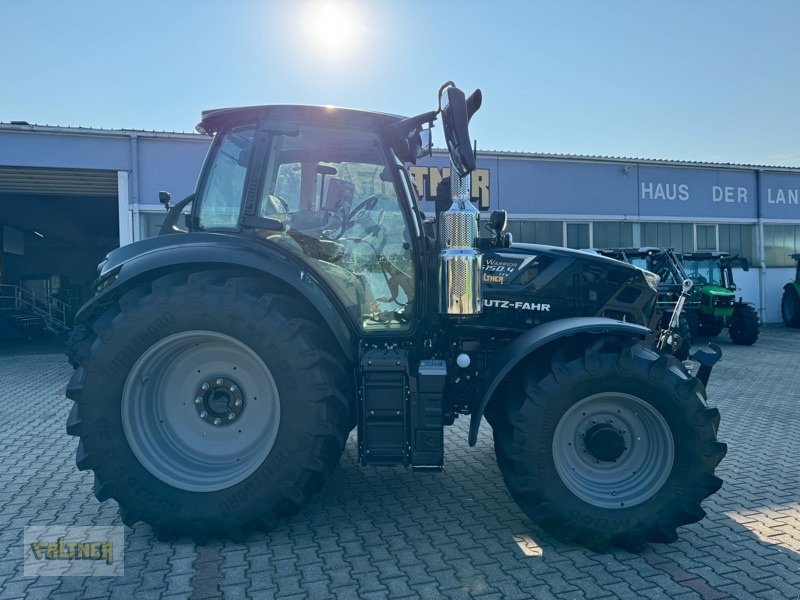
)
(67, 195)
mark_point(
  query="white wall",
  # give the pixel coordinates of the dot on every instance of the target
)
(748, 281)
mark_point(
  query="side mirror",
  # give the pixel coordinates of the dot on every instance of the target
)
(498, 220)
(455, 121)
(164, 198)
(425, 143)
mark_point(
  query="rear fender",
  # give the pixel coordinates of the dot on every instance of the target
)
(209, 251)
(531, 341)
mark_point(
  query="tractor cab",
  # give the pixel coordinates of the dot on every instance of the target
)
(328, 186)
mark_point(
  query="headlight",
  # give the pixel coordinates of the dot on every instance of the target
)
(652, 279)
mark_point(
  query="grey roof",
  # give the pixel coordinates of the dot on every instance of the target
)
(24, 126)
(629, 160)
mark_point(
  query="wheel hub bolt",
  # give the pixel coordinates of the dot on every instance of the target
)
(583, 451)
(583, 434)
(219, 400)
(610, 420)
(593, 421)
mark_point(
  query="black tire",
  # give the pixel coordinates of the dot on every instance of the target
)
(694, 322)
(526, 415)
(78, 344)
(709, 329)
(685, 333)
(790, 307)
(744, 325)
(313, 393)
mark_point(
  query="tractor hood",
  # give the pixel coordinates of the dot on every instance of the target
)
(714, 290)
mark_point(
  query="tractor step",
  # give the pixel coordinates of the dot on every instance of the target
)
(400, 415)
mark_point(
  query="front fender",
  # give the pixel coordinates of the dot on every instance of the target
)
(131, 264)
(529, 342)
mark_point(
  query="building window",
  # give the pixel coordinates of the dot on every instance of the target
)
(738, 239)
(150, 223)
(577, 235)
(705, 237)
(549, 233)
(779, 242)
(612, 234)
(679, 236)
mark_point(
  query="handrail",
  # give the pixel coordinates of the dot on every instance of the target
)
(54, 311)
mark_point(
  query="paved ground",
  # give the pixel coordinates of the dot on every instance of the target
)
(378, 533)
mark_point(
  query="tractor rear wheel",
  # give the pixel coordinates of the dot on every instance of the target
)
(790, 307)
(607, 443)
(744, 325)
(208, 405)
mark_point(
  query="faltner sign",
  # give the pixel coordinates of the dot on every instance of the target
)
(427, 179)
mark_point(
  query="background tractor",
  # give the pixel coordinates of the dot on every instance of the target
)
(715, 305)
(667, 265)
(222, 364)
(790, 302)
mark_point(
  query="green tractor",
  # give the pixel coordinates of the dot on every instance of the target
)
(716, 306)
(790, 303)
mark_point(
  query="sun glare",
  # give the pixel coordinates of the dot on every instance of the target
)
(333, 28)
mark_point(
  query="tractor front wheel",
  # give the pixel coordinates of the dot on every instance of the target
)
(790, 307)
(208, 405)
(744, 325)
(685, 333)
(607, 443)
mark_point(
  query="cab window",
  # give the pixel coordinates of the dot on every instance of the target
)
(335, 193)
(220, 200)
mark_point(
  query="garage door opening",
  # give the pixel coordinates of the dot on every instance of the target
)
(56, 225)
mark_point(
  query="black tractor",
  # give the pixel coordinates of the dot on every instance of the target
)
(790, 302)
(222, 365)
(667, 265)
(714, 305)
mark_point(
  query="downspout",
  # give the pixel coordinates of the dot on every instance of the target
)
(762, 263)
(134, 182)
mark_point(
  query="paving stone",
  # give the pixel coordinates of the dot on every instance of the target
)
(390, 533)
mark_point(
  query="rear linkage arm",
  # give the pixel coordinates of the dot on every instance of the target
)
(669, 338)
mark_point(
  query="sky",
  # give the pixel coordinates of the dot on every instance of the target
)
(684, 80)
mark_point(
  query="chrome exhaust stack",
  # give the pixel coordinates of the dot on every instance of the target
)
(460, 260)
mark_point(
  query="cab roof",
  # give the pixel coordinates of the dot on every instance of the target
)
(704, 255)
(631, 251)
(214, 120)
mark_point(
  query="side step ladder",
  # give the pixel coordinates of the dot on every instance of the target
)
(400, 420)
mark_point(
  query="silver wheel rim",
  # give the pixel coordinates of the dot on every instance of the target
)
(174, 411)
(598, 428)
